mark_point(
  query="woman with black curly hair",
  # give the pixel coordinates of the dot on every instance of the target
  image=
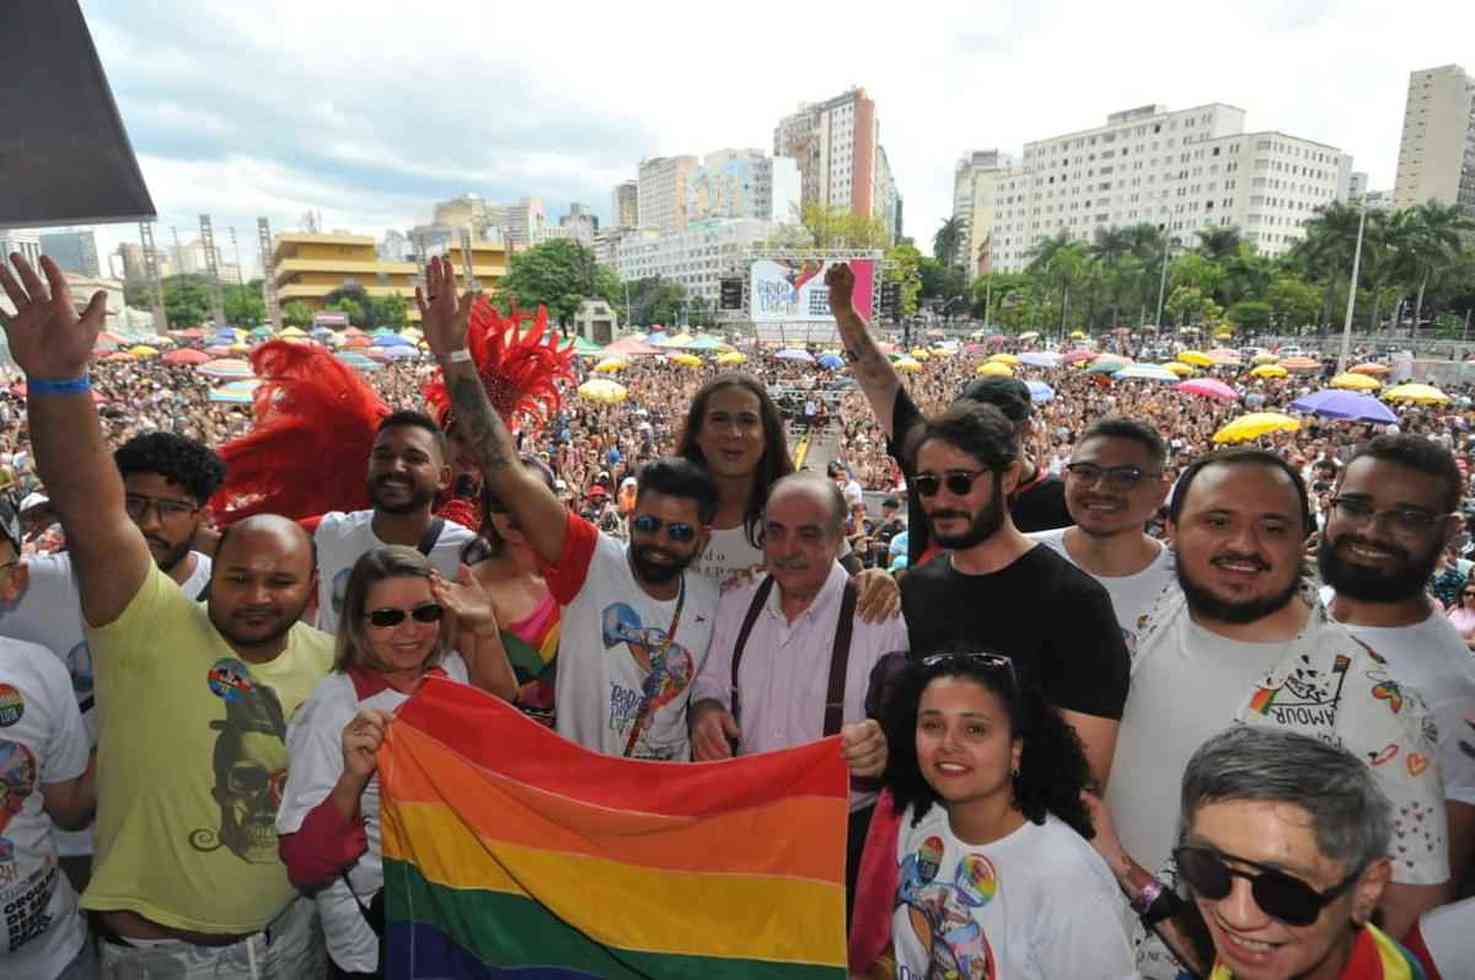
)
(996, 878)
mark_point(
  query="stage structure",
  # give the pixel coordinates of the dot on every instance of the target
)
(784, 298)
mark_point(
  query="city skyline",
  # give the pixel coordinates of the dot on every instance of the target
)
(1335, 73)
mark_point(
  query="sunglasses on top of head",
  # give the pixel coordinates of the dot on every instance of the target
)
(958, 482)
(677, 531)
(990, 661)
(1279, 895)
(426, 612)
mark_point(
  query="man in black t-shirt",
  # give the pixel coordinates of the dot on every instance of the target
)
(997, 591)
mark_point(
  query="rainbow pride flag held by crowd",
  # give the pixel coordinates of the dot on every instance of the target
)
(510, 851)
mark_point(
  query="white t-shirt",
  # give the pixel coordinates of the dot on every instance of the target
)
(42, 741)
(1132, 596)
(853, 493)
(728, 552)
(343, 538)
(49, 613)
(315, 761)
(1431, 658)
(1039, 904)
(614, 651)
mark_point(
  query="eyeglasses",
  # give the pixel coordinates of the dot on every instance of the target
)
(990, 661)
(138, 506)
(1278, 894)
(426, 612)
(958, 482)
(1408, 520)
(677, 531)
(1121, 477)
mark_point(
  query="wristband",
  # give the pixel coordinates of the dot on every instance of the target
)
(66, 386)
(1147, 896)
(459, 356)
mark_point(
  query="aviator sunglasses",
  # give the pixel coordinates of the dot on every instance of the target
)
(675, 530)
(427, 612)
(1278, 894)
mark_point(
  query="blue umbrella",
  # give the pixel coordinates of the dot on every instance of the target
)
(1039, 392)
(1040, 358)
(794, 354)
(1336, 403)
(831, 362)
(392, 340)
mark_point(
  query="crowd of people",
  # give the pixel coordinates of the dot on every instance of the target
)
(1133, 708)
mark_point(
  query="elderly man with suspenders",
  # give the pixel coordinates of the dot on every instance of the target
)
(792, 664)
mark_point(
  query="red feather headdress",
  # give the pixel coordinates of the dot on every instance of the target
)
(519, 369)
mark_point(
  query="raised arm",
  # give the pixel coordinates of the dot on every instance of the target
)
(871, 368)
(443, 318)
(52, 345)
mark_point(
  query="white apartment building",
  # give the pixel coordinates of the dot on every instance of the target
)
(661, 194)
(1180, 170)
(697, 257)
(743, 184)
(625, 204)
(523, 224)
(26, 241)
(835, 143)
(975, 197)
(1436, 153)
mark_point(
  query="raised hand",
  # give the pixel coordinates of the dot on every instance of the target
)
(47, 338)
(466, 599)
(443, 317)
(841, 282)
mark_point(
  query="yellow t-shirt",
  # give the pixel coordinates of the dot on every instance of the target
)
(192, 758)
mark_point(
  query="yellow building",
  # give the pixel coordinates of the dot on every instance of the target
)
(306, 267)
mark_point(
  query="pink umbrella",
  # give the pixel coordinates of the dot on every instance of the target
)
(1209, 388)
(186, 355)
(1078, 355)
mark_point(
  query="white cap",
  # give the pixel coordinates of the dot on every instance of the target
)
(33, 500)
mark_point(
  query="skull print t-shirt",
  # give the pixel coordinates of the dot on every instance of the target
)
(192, 757)
(623, 681)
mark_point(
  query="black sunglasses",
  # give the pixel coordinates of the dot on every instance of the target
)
(677, 531)
(991, 661)
(958, 483)
(426, 612)
(1278, 894)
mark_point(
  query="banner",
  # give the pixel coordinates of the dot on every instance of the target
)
(507, 846)
(790, 290)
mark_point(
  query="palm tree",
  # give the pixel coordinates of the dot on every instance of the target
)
(1433, 243)
(1110, 247)
(1058, 261)
(947, 241)
(1217, 243)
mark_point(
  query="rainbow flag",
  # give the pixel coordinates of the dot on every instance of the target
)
(512, 852)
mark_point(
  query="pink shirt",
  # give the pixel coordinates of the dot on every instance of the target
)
(1463, 620)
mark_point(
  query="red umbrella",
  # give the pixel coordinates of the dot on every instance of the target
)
(1209, 388)
(186, 356)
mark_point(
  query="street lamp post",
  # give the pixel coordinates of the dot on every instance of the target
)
(1351, 295)
(1162, 286)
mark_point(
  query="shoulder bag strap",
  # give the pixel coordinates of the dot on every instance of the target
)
(432, 535)
(760, 596)
(839, 661)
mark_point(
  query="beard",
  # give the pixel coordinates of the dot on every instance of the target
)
(1205, 603)
(983, 524)
(657, 573)
(1403, 577)
(418, 498)
(168, 556)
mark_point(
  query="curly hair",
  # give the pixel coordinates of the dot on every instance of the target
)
(192, 465)
(1052, 764)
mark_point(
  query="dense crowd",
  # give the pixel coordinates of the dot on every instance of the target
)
(1092, 729)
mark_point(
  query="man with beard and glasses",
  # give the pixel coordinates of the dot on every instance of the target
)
(1394, 511)
(636, 618)
(1114, 485)
(1243, 639)
(167, 480)
(191, 754)
(407, 468)
(997, 591)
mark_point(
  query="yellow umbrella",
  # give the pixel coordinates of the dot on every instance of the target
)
(686, 360)
(908, 365)
(611, 364)
(921, 354)
(1266, 358)
(1008, 359)
(1355, 382)
(1270, 371)
(292, 332)
(1197, 358)
(731, 358)
(1180, 369)
(144, 350)
(994, 369)
(1223, 334)
(1255, 425)
(603, 390)
(1077, 335)
(1417, 393)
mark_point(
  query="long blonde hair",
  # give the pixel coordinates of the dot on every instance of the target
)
(376, 565)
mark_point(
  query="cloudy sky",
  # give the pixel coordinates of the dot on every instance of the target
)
(370, 111)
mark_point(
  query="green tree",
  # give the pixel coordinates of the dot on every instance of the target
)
(391, 311)
(947, 241)
(1293, 302)
(699, 312)
(654, 300)
(559, 274)
(1433, 244)
(187, 300)
(353, 300)
(905, 269)
(244, 305)
(1250, 315)
(356, 313)
(836, 226)
(1217, 242)
(297, 314)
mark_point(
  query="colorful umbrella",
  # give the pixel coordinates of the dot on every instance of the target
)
(921, 353)
(1143, 372)
(225, 369)
(1371, 367)
(1039, 392)
(993, 369)
(686, 360)
(1209, 388)
(1355, 382)
(603, 390)
(1008, 359)
(1031, 335)
(1270, 371)
(1109, 364)
(1300, 364)
(1253, 426)
(235, 393)
(1040, 358)
(910, 365)
(1076, 356)
(1196, 358)
(611, 364)
(1419, 394)
(1335, 403)
(795, 354)
(1179, 368)
(143, 350)
(1077, 335)
(731, 359)
(218, 350)
(830, 362)
(294, 332)
(186, 356)
(1264, 358)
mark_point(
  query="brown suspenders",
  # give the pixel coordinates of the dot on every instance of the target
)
(839, 654)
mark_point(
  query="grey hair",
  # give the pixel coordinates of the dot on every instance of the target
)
(839, 510)
(1350, 816)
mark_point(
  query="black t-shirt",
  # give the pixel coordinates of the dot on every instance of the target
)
(1052, 619)
(1040, 507)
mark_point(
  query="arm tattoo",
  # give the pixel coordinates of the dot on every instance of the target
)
(482, 428)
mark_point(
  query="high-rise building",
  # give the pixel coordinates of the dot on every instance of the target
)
(743, 184)
(836, 145)
(887, 199)
(975, 186)
(130, 255)
(525, 222)
(579, 224)
(662, 192)
(1180, 171)
(625, 205)
(697, 258)
(74, 251)
(465, 211)
(1436, 154)
(395, 247)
